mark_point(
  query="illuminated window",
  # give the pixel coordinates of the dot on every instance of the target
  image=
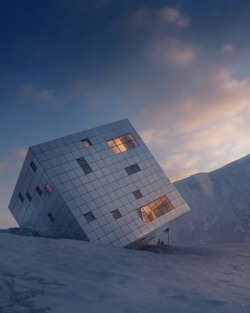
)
(33, 166)
(137, 194)
(89, 217)
(122, 143)
(84, 165)
(86, 143)
(38, 190)
(132, 169)
(28, 196)
(48, 189)
(116, 214)
(51, 217)
(155, 209)
(20, 196)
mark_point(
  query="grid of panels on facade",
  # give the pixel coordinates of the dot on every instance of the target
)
(31, 212)
(109, 189)
(110, 198)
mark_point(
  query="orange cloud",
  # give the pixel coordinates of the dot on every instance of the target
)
(220, 97)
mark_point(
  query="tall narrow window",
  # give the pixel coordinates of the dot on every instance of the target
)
(28, 196)
(86, 143)
(38, 190)
(33, 166)
(51, 217)
(122, 143)
(84, 165)
(89, 217)
(132, 169)
(155, 209)
(20, 196)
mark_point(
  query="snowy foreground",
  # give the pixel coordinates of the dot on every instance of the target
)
(59, 275)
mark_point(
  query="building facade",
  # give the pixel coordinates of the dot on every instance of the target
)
(100, 185)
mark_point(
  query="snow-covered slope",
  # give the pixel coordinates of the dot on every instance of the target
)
(220, 206)
(61, 276)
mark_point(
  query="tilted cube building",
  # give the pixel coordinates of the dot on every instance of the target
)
(100, 185)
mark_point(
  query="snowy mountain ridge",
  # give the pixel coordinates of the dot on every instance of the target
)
(220, 206)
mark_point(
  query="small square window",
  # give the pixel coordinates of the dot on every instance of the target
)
(28, 196)
(48, 189)
(116, 214)
(33, 166)
(38, 190)
(51, 217)
(20, 196)
(89, 217)
(137, 194)
(86, 143)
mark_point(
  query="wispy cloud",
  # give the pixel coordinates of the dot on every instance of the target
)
(3, 166)
(32, 91)
(228, 48)
(171, 50)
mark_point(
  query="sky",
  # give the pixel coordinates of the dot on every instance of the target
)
(179, 70)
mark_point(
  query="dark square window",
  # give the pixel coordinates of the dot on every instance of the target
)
(116, 214)
(132, 169)
(33, 166)
(89, 217)
(137, 194)
(51, 217)
(28, 196)
(38, 190)
(84, 165)
(86, 143)
(20, 196)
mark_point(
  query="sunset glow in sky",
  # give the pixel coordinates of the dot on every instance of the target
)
(179, 70)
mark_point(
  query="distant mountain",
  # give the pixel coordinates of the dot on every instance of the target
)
(220, 206)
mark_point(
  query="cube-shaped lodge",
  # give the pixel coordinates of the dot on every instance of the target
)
(100, 185)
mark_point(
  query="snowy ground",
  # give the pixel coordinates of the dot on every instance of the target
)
(57, 275)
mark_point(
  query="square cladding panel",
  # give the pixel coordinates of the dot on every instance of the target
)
(100, 185)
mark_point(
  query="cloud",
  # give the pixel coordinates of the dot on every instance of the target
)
(172, 15)
(157, 19)
(20, 153)
(180, 165)
(33, 92)
(3, 166)
(156, 137)
(228, 48)
(219, 97)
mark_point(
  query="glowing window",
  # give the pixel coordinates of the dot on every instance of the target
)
(48, 189)
(155, 209)
(122, 143)
(86, 143)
